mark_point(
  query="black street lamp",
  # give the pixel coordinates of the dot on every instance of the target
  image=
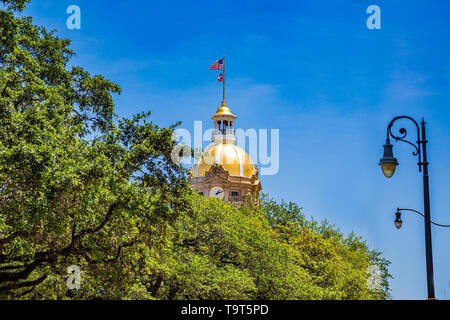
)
(398, 218)
(388, 164)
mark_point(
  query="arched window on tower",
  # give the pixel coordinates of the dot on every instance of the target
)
(225, 125)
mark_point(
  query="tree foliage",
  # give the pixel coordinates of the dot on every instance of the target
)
(66, 197)
(80, 186)
(336, 263)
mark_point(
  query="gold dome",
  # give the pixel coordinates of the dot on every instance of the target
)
(223, 110)
(231, 157)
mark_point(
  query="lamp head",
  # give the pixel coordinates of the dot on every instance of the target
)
(388, 163)
(398, 220)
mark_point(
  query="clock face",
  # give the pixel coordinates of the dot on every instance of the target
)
(216, 192)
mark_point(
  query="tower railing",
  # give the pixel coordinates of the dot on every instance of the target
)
(223, 131)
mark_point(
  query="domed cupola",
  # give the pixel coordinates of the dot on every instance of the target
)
(225, 170)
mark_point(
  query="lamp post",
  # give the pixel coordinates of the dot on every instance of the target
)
(398, 218)
(388, 165)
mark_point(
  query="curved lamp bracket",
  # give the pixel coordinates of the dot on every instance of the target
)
(402, 137)
(420, 213)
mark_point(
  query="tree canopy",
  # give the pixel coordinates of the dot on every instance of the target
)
(81, 186)
(65, 196)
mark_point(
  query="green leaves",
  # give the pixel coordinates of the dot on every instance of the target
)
(336, 263)
(15, 5)
(220, 252)
(67, 199)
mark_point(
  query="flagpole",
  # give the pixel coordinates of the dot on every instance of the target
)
(223, 100)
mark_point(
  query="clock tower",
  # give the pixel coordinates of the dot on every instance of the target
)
(225, 170)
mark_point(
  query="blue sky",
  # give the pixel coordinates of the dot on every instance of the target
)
(314, 71)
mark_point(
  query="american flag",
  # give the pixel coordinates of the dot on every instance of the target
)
(220, 77)
(218, 65)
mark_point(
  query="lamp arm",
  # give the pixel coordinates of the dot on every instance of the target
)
(402, 135)
(437, 224)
